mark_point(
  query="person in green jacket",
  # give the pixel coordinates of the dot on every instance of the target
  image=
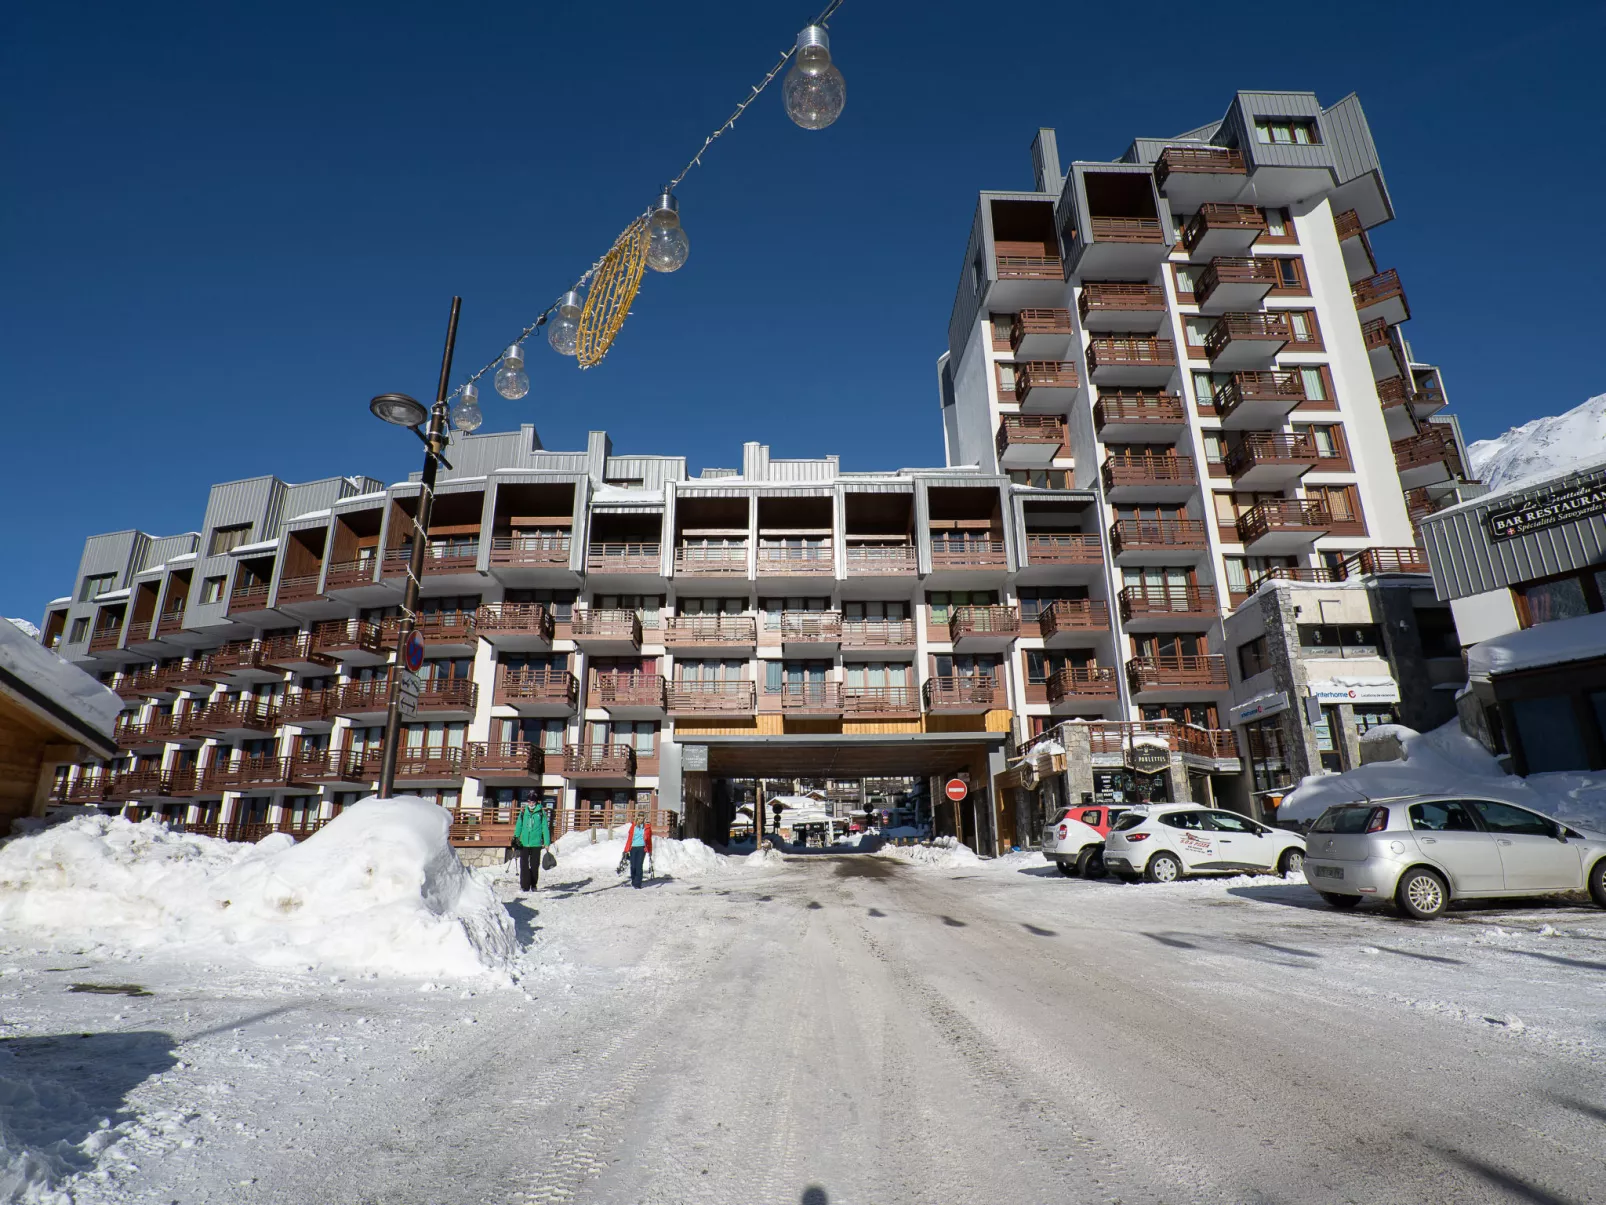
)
(531, 835)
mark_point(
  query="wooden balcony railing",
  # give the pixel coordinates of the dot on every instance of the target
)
(455, 556)
(878, 633)
(1204, 672)
(599, 761)
(309, 706)
(625, 557)
(776, 557)
(245, 715)
(138, 684)
(880, 700)
(337, 636)
(1377, 288)
(301, 588)
(346, 574)
(515, 619)
(416, 764)
(1129, 351)
(1039, 322)
(1001, 621)
(1084, 682)
(1119, 297)
(963, 693)
(1126, 230)
(1427, 447)
(584, 819)
(1030, 267)
(132, 734)
(1258, 328)
(192, 673)
(698, 698)
(1282, 514)
(1063, 548)
(244, 772)
(504, 759)
(1139, 602)
(1375, 335)
(811, 627)
(1044, 374)
(710, 631)
(1218, 743)
(964, 552)
(880, 559)
(533, 686)
(628, 690)
(1221, 217)
(1029, 429)
(436, 627)
(1128, 469)
(530, 550)
(1347, 225)
(248, 597)
(1234, 270)
(170, 623)
(1398, 391)
(1129, 535)
(293, 648)
(1263, 448)
(815, 697)
(240, 655)
(1215, 160)
(334, 764)
(1073, 615)
(90, 786)
(137, 784)
(1258, 387)
(720, 561)
(1387, 560)
(436, 694)
(103, 640)
(588, 623)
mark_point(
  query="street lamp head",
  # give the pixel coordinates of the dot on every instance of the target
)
(399, 409)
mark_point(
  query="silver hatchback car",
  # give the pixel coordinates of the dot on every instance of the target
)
(1422, 851)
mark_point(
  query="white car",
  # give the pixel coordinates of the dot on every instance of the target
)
(1164, 842)
(1076, 848)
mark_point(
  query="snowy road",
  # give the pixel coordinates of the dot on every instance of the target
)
(880, 1034)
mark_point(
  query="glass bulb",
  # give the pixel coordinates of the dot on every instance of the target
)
(563, 334)
(512, 382)
(814, 89)
(667, 244)
(467, 417)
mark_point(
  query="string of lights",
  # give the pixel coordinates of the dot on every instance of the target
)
(814, 94)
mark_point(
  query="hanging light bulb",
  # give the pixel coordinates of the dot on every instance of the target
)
(667, 245)
(466, 415)
(563, 331)
(815, 90)
(512, 382)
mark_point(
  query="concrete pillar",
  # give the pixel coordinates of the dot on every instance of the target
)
(1348, 738)
(1078, 740)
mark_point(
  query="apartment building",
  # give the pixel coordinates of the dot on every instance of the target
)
(1198, 337)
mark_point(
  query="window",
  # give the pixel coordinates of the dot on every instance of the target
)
(225, 539)
(212, 590)
(1317, 384)
(1328, 437)
(1034, 600)
(942, 602)
(1006, 381)
(559, 602)
(1341, 639)
(1001, 324)
(1342, 503)
(1268, 756)
(1449, 816)
(1193, 821)
(1290, 276)
(80, 630)
(98, 584)
(1205, 385)
(1279, 228)
(1237, 575)
(1304, 334)
(965, 665)
(1550, 736)
(1042, 479)
(1503, 818)
(1215, 449)
(1324, 729)
(1287, 131)
(628, 483)
(1195, 330)
(1546, 602)
(1187, 276)
(1254, 657)
(1043, 664)
(1368, 718)
(1227, 822)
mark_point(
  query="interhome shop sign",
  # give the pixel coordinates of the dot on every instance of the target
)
(1549, 509)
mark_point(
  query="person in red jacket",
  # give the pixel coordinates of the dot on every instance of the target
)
(638, 845)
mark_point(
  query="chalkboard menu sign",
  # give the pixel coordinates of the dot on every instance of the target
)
(1548, 509)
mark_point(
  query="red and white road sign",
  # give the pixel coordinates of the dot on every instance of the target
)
(956, 789)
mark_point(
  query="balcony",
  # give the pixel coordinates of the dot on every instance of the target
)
(1063, 548)
(530, 551)
(1258, 401)
(1131, 360)
(811, 631)
(1405, 406)
(295, 651)
(1073, 621)
(780, 559)
(236, 717)
(881, 560)
(878, 634)
(880, 702)
(1250, 340)
(1126, 230)
(1378, 338)
(1218, 229)
(1138, 417)
(964, 695)
(254, 774)
(444, 766)
(630, 559)
(1046, 385)
(596, 762)
(1381, 296)
(984, 627)
(354, 641)
(1282, 526)
(448, 557)
(442, 698)
(715, 560)
(967, 552)
(1190, 175)
(1150, 478)
(1029, 267)
(735, 632)
(245, 661)
(309, 707)
(171, 622)
(137, 734)
(536, 691)
(138, 685)
(515, 626)
(89, 787)
(1271, 461)
(710, 698)
(1029, 440)
(193, 673)
(1140, 541)
(332, 765)
(1214, 744)
(1154, 675)
(1083, 683)
(627, 693)
(299, 589)
(606, 631)
(1427, 458)
(1234, 282)
(808, 698)
(185, 782)
(106, 640)
(1121, 306)
(349, 575)
(248, 597)
(504, 761)
(1359, 262)
(137, 784)
(1147, 608)
(1040, 334)
(443, 631)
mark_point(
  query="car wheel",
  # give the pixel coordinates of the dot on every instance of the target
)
(1068, 869)
(1341, 902)
(1597, 883)
(1422, 894)
(1163, 868)
(1091, 864)
(1292, 863)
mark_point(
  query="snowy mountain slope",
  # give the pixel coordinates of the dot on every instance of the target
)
(1543, 447)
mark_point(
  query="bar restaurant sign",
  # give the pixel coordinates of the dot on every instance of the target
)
(1550, 508)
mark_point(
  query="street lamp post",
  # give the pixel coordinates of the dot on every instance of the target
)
(403, 411)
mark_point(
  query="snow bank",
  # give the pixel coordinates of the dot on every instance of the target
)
(28, 629)
(1545, 447)
(577, 855)
(65, 685)
(378, 888)
(1448, 760)
(1548, 644)
(945, 853)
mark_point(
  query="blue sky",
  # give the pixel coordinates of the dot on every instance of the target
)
(227, 227)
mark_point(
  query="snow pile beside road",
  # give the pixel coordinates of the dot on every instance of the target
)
(378, 888)
(945, 853)
(688, 859)
(1448, 760)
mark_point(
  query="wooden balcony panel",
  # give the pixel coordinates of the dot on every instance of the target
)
(1044, 375)
(1111, 351)
(1261, 449)
(137, 784)
(1084, 682)
(347, 574)
(515, 619)
(599, 761)
(1029, 267)
(888, 702)
(1014, 430)
(1244, 219)
(302, 588)
(813, 698)
(309, 706)
(436, 627)
(811, 627)
(1073, 615)
(245, 599)
(284, 652)
(1111, 296)
(704, 698)
(1063, 548)
(981, 693)
(1268, 332)
(459, 557)
(1375, 290)
(1129, 470)
(104, 640)
(1139, 602)
(1282, 514)
(336, 636)
(996, 621)
(1127, 535)
(710, 631)
(1202, 672)
(584, 819)
(556, 687)
(1387, 560)
(711, 562)
(90, 787)
(1126, 230)
(784, 561)
(1258, 274)
(1276, 392)
(880, 559)
(878, 633)
(327, 765)
(530, 550)
(625, 557)
(1159, 410)
(1214, 160)
(587, 623)
(1429, 447)
(1220, 744)
(420, 765)
(1038, 324)
(628, 690)
(252, 716)
(960, 553)
(1347, 225)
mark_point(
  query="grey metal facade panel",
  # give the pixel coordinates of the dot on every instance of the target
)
(233, 503)
(165, 548)
(802, 470)
(969, 291)
(653, 471)
(878, 487)
(311, 496)
(477, 455)
(1347, 135)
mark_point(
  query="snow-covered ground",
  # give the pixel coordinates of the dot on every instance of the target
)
(1544, 447)
(908, 1026)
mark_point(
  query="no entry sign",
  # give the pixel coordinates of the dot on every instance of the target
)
(956, 789)
(413, 652)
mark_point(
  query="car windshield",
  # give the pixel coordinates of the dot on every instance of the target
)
(1130, 820)
(1447, 816)
(1183, 820)
(1350, 818)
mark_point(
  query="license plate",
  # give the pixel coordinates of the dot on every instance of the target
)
(1328, 872)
